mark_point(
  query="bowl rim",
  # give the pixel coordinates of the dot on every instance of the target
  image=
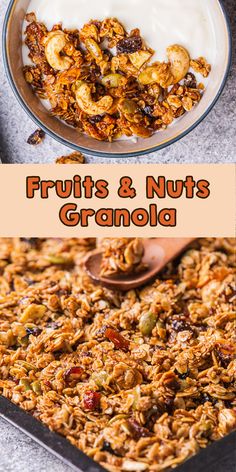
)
(101, 154)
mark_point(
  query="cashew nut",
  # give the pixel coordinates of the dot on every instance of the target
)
(180, 62)
(55, 43)
(86, 103)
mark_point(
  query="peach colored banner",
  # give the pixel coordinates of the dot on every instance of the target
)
(100, 200)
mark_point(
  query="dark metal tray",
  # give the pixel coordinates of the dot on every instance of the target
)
(206, 460)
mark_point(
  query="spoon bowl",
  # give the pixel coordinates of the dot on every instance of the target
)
(158, 252)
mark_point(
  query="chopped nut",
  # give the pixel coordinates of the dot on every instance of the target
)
(201, 66)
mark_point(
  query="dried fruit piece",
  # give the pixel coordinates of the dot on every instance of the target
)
(137, 430)
(129, 45)
(118, 340)
(36, 137)
(73, 374)
(190, 80)
(91, 400)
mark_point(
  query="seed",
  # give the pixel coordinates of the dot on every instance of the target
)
(36, 386)
(25, 384)
(147, 323)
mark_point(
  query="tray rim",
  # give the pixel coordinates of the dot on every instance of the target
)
(61, 448)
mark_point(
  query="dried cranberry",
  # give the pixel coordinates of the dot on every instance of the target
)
(36, 137)
(73, 374)
(137, 430)
(190, 80)
(34, 331)
(118, 340)
(129, 45)
(91, 400)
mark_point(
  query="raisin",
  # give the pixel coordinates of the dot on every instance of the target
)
(91, 400)
(33, 242)
(129, 45)
(34, 331)
(118, 340)
(190, 80)
(95, 119)
(137, 430)
(183, 376)
(180, 325)
(107, 448)
(148, 111)
(36, 137)
(205, 397)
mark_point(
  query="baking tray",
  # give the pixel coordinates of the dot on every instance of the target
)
(206, 460)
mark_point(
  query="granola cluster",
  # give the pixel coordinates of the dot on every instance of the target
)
(100, 80)
(121, 256)
(139, 381)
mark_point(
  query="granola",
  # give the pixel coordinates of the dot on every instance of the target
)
(121, 256)
(100, 79)
(139, 381)
(73, 158)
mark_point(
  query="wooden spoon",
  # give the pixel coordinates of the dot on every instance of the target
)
(157, 253)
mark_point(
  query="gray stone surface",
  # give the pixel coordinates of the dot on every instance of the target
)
(213, 141)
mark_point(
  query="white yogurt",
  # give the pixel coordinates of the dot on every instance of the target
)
(161, 22)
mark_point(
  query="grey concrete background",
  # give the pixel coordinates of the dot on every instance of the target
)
(214, 140)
